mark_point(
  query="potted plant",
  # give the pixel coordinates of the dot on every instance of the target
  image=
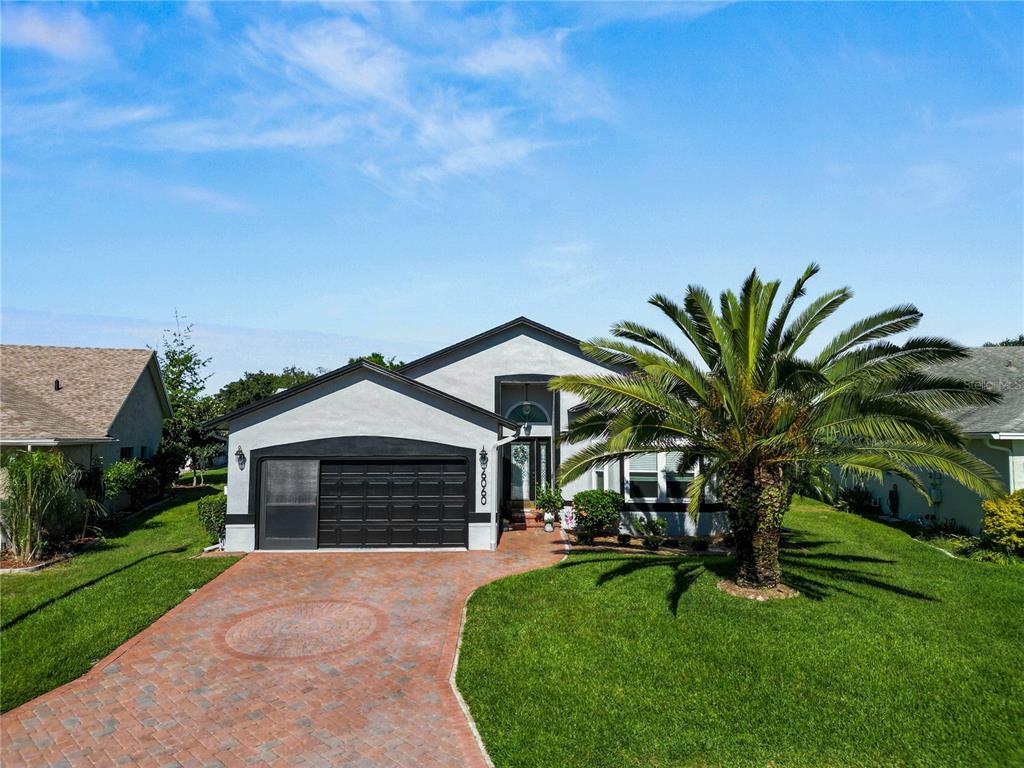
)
(549, 504)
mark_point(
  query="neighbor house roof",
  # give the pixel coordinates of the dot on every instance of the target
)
(359, 365)
(1000, 369)
(93, 385)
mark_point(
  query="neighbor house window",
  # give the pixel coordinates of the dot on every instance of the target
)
(643, 476)
(127, 453)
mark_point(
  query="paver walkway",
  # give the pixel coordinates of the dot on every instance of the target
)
(319, 659)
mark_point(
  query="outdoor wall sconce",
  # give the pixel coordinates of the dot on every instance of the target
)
(483, 476)
(240, 457)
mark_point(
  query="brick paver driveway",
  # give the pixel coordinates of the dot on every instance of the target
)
(316, 659)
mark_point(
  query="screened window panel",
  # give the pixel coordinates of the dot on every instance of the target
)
(290, 482)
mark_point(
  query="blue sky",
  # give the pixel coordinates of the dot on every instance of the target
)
(310, 182)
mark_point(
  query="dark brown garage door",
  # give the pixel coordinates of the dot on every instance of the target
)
(393, 503)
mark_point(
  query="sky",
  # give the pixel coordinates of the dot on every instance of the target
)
(309, 182)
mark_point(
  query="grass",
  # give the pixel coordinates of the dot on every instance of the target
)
(56, 623)
(894, 655)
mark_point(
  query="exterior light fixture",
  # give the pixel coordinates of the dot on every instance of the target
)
(483, 457)
(240, 457)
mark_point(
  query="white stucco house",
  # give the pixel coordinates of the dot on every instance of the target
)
(95, 405)
(431, 455)
(995, 434)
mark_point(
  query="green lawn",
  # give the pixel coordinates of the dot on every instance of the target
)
(895, 655)
(56, 623)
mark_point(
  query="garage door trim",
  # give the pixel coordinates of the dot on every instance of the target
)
(356, 448)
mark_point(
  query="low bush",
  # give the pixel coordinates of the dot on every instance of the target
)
(595, 511)
(652, 531)
(133, 478)
(700, 544)
(212, 511)
(1002, 523)
(624, 539)
(856, 500)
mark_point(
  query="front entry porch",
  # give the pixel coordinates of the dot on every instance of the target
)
(526, 468)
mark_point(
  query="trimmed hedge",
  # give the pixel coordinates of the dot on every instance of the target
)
(212, 511)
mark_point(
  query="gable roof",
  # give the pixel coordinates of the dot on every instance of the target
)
(345, 371)
(465, 343)
(1000, 369)
(94, 383)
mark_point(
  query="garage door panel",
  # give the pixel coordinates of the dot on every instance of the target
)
(415, 502)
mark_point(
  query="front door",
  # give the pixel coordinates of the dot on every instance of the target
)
(527, 468)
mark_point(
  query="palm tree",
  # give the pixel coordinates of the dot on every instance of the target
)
(763, 420)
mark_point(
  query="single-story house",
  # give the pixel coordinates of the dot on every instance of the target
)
(434, 454)
(995, 434)
(94, 405)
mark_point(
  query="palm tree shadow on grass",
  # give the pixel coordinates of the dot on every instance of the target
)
(84, 585)
(817, 575)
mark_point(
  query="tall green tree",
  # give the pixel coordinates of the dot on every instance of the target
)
(183, 369)
(254, 386)
(1017, 341)
(762, 417)
(391, 363)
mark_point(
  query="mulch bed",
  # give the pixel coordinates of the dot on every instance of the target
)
(9, 563)
(670, 547)
(781, 592)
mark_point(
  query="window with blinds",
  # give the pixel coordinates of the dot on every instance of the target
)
(677, 478)
(643, 476)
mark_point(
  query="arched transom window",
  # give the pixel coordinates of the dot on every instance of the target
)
(528, 412)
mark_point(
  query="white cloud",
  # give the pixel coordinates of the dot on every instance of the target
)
(516, 56)
(199, 11)
(212, 135)
(75, 115)
(59, 31)
(206, 198)
(340, 53)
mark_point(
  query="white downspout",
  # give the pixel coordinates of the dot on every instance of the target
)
(495, 498)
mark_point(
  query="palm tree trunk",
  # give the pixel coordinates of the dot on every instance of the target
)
(756, 498)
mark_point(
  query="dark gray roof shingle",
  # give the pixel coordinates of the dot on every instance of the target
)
(1000, 369)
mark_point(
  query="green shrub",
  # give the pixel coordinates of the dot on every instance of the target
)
(42, 507)
(549, 500)
(167, 463)
(131, 477)
(701, 544)
(212, 511)
(624, 539)
(595, 511)
(856, 500)
(652, 531)
(1002, 523)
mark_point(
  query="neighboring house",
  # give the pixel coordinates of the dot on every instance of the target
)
(995, 434)
(432, 455)
(94, 405)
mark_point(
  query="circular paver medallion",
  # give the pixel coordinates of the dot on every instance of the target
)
(302, 630)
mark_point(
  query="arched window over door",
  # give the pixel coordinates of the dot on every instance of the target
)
(528, 412)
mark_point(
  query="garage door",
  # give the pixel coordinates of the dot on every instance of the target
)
(415, 502)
